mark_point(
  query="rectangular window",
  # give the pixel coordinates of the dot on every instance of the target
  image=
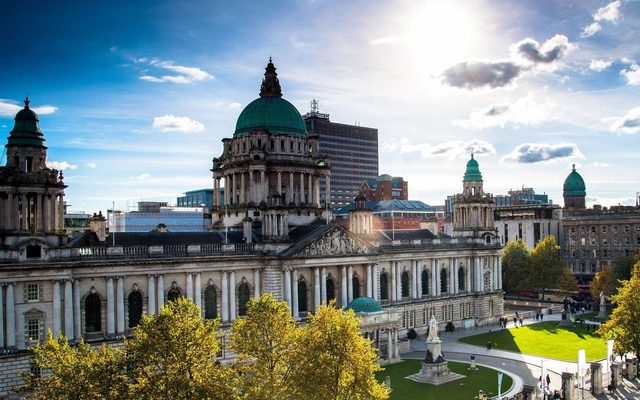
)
(604, 229)
(626, 229)
(33, 330)
(593, 229)
(605, 253)
(33, 292)
(605, 242)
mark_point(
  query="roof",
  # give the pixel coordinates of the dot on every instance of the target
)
(404, 234)
(390, 205)
(364, 305)
(473, 171)
(574, 184)
(153, 238)
(26, 130)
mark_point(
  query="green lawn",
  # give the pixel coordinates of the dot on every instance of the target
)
(463, 389)
(545, 339)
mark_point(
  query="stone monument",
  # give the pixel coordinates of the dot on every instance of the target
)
(434, 367)
(602, 314)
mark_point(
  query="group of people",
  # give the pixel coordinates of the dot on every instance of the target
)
(516, 319)
(539, 316)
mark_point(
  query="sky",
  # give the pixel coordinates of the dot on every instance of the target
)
(134, 97)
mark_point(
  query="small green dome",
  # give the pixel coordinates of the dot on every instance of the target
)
(273, 114)
(270, 111)
(473, 171)
(364, 305)
(26, 131)
(574, 184)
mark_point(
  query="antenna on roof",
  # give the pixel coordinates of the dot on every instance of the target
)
(314, 106)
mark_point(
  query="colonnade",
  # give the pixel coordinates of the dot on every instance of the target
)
(35, 211)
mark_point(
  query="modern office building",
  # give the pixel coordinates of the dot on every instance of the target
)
(197, 198)
(151, 215)
(529, 222)
(385, 187)
(396, 214)
(352, 151)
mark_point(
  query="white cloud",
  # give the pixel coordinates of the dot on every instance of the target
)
(61, 165)
(452, 149)
(525, 111)
(184, 74)
(632, 74)
(530, 52)
(598, 164)
(529, 153)
(610, 13)
(172, 123)
(600, 65)
(91, 165)
(234, 106)
(9, 109)
(143, 177)
(629, 123)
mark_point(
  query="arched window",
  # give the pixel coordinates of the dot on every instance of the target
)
(243, 298)
(173, 294)
(424, 282)
(384, 287)
(302, 296)
(461, 279)
(135, 308)
(405, 283)
(443, 281)
(487, 281)
(355, 284)
(331, 290)
(210, 303)
(92, 313)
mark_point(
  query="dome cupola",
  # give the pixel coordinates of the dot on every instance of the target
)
(473, 171)
(26, 130)
(574, 184)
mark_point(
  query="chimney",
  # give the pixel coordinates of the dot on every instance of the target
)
(98, 224)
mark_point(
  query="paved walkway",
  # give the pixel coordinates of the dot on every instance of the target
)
(527, 367)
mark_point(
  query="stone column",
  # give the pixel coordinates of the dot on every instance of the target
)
(151, 295)
(279, 188)
(468, 275)
(290, 189)
(302, 199)
(349, 284)
(252, 193)
(568, 384)
(57, 324)
(160, 292)
(111, 312)
(343, 286)
(392, 286)
(232, 295)
(287, 286)
(328, 191)
(316, 191)
(189, 286)
(263, 189)
(310, 189)
(242, 196)
(438, 285)
(596, 378)
(225, 296)
(256, 282)
(198, 291)
(389, 345)
(434, 277)
(11, 316)
(316, 288)
(77, 328)
(216, 192)
(452, 276)
(323, 284)
(399, 281)
(68, 309)
(120, 305)
(375, 281)
(396, 347)
(1, 316)
(61, 212)
(499, 272)
(234, 183)
(294, 299)
(369, 282)
(616, 373)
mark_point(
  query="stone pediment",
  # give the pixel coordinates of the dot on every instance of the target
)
(334, 242)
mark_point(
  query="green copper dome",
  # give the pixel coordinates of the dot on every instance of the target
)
(574, 184)
(473, 171)
(364, 305)
(270, 111)
(26, 131)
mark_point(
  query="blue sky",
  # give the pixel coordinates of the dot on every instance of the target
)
(134, 97)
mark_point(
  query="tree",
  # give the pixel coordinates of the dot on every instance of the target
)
(337, 362)
(516, 266)
(623, 324)
(567, 283)
(173, 356)
(264, 343)
(546, 265)
(604, 281)
(622, 266)
(75, 372)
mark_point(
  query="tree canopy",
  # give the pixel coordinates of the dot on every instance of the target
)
(623, 324)
(516, 266)
(604, 281)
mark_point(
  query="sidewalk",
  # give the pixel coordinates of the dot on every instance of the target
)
(527, 367)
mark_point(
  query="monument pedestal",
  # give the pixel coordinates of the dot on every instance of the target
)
(435, 370)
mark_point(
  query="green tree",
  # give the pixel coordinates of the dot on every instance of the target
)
(567, 282)
(516, 266)
(622, 266)
(265, 343)
(173, 356)
(337, 362)
(604, 281)
(546, 265)
(75, 372)
(623, 324)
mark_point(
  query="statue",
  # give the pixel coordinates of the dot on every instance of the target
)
(433, 329)
(602, 299)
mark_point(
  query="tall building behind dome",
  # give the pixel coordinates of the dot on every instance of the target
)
(353, 151)
(574, 191)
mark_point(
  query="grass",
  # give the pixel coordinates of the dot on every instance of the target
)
(466, 388)
(545, 339)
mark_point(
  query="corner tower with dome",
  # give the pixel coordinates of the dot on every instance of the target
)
(574, 191)
(31, 194)
(270, 169)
